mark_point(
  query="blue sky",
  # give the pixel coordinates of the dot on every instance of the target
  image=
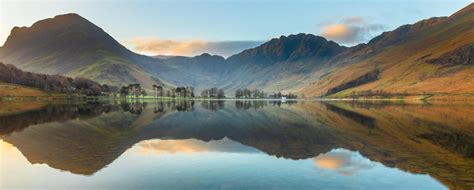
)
(227, 26)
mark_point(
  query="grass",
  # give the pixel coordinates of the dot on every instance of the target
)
(12, 90)
(404, 67)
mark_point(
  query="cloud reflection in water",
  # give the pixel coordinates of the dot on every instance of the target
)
(343, 161)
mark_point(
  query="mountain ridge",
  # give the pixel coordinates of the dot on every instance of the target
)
(305, 64)
(404, 63)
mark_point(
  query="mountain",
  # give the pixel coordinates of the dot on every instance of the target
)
(279, 64)
(71, 45)
(288, 49)
(287, 57)
(202, 71)
(432, 57)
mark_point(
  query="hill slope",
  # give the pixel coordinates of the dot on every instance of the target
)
(431, 56)
(12, 90)
(71, 45)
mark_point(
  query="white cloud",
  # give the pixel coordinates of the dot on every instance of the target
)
(158, 46)
(351, 31)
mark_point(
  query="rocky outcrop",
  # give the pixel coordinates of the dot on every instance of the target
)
(460, 56)
(366, 78)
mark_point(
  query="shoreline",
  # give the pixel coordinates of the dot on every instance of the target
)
(419, 98)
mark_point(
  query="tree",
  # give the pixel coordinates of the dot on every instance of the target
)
(190, 91)
(247, 93)
(220, 94)
(124, 91)
(159, 90)
(213, 93)
(239, 93)
(155, 87)
(182, 92)
(205, 93)
(135, 89)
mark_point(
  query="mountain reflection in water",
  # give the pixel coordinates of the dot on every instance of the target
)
(347, 144)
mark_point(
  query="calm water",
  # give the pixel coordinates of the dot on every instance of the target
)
(236, 145)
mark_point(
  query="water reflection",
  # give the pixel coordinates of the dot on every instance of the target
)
(212, 167)
(343, 161)
(348, 138)
(191, 146)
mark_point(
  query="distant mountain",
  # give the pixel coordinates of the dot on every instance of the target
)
(289, 48)
(279, 64)
(287, 57)
(71, 45)
(201, 63)
(202, 71)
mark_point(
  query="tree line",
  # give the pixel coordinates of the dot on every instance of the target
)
(246, 93)
(280, 95)
(213, 93)
(137, 90)
(52, 83)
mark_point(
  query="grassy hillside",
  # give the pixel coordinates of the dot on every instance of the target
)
(19, 91)
(406, 64)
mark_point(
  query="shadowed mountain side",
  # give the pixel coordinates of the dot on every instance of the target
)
(414, 138)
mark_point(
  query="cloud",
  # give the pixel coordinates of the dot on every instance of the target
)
(351, 31)
(158, 46)
(343, 161)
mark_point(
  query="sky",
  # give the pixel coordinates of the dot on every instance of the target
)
(226, 27)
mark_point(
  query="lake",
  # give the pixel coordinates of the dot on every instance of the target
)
(236, 144)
